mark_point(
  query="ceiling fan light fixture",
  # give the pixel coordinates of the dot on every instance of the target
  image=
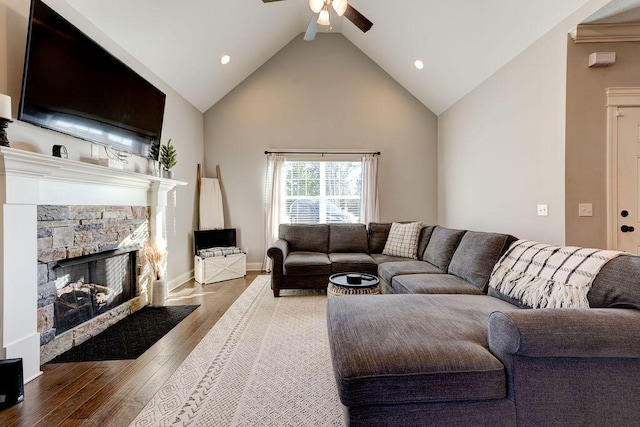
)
(316, 5)
(340, 6)
(323, 18)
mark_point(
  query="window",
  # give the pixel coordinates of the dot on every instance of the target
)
(322, 192)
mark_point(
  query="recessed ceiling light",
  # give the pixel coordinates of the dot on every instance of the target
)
(419, 64)
(225, 59)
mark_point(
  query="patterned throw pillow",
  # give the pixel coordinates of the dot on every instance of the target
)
(403, 240)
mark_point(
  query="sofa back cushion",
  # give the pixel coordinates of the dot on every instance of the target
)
(540, 275)
(378, 233)
(348, 238)
(441, 246)
(617, 285)
(476, 256)
(305, 237)
(423, 240)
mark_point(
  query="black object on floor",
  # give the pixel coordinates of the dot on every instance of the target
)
(11, 385)
(130, 337)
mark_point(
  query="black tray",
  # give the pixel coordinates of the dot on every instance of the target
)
(367, 280)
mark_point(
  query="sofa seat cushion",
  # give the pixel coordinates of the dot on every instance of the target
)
(433, 284)
(389, 270)
(402, 349)
(307, 264)
(360, 263)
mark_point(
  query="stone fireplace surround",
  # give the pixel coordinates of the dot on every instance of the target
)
(29, 180)
(69, 232)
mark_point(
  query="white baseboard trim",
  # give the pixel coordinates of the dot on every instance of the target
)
(189, 275)
(181, 279)
(26, 347)
(254, 266)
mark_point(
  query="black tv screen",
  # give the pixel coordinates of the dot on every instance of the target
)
(72, 85)
(203, 239)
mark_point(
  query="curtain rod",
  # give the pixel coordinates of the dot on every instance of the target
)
(375, 153)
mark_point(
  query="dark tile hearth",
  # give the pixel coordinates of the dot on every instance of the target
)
(130, 337)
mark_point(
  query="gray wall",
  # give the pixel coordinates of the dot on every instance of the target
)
(586, 166)
(324, 94)
(502, 147)
(182, 123)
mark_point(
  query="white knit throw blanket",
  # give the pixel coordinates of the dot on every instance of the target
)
(545, 276)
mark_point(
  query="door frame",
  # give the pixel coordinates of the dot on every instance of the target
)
(617, 97)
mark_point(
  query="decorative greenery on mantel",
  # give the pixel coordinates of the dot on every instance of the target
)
(168, 156)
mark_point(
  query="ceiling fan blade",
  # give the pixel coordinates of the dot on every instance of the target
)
(358, 19)
(269, 1)
(312, 28)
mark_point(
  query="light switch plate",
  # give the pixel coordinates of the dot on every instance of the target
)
(543, 210)
(585, 209)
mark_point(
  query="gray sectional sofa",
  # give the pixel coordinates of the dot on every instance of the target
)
(440, 347)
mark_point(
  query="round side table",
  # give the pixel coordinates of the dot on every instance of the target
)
(343, 284)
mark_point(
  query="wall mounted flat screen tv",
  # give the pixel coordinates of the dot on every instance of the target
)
(74, 86)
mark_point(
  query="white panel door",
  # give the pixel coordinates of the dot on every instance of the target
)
(628, 213)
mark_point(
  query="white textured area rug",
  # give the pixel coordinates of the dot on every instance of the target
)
(266, 362)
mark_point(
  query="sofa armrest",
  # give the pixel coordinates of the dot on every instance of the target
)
(567, 366)
(593, 333)
(278, 251)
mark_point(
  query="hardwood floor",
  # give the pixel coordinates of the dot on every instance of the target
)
(112, 393)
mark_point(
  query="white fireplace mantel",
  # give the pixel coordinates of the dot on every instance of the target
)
(30, 179)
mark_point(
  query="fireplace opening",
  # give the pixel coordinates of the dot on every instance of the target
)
(91, 285)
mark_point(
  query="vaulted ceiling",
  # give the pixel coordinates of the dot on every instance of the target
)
(461, 42)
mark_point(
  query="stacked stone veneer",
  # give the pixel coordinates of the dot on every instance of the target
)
(71, 231)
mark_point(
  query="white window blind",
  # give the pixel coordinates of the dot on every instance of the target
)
(322, 192)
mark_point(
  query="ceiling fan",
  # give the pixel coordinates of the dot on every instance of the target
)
(322, 15)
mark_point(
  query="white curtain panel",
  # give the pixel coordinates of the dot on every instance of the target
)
(274, 197)
(369, 207)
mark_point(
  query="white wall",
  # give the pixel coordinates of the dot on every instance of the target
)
(324, 94)
(501, 148)
(182, 122)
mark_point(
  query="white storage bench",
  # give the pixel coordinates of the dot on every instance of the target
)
(218, 264)
(216, 256)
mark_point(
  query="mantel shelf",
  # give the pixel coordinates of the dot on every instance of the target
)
(17, 162)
